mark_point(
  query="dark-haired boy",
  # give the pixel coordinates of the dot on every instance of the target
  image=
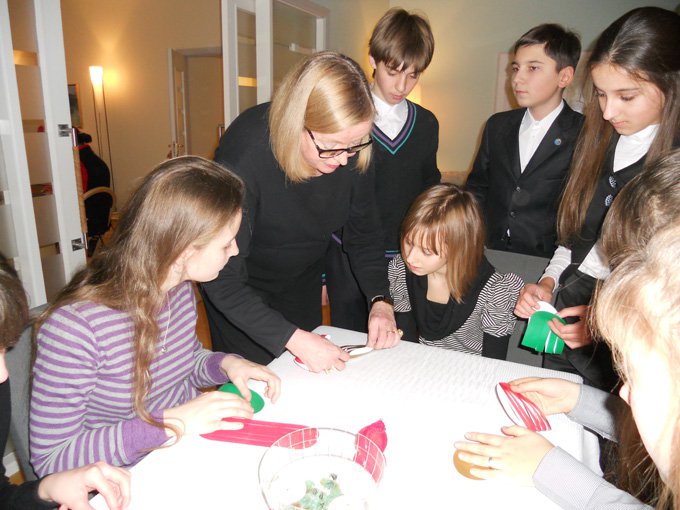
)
(405, 141)
(524, 157)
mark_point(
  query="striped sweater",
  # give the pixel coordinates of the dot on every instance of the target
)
(493, 313)
(81, 403)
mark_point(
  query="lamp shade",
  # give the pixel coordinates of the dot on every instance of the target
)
(96, 75)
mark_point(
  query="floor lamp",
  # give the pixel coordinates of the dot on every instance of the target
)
(97, 80)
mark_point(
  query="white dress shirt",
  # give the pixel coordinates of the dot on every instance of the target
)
(532, 131)
(390, 118)
(629, 149)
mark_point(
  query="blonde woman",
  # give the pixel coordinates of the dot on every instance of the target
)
(118, 364)
(304, 159)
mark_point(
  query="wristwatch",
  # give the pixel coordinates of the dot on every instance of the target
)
(384, 299)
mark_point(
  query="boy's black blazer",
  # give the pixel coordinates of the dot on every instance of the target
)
(524, 202)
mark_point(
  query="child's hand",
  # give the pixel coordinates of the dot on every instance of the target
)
(514, 456)
(70, 489)
(204, 413)
(531, 294)
(552, 396)
(577, 334)
(239, 370)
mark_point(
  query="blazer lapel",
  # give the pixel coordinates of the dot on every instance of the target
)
(512, 143)
(551, 142)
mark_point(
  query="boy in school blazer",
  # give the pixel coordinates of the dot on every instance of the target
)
(523, 160)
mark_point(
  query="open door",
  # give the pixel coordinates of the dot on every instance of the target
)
(261, 40)
(40, 228)
(178, 67)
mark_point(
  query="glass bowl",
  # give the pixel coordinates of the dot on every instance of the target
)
(321, 469)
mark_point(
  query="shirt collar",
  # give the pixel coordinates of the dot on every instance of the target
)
(644, 136)
(528, 119)
(383, 110)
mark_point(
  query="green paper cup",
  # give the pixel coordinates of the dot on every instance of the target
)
(538, 335)
(256, 399)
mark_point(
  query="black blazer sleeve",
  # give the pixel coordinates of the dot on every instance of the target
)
(478, 180)
(430, 171)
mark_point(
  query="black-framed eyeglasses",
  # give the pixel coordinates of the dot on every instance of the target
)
(332, 153)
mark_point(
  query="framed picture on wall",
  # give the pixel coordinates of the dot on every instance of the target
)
(74, 103)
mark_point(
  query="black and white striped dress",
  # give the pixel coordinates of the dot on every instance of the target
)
(493, 313)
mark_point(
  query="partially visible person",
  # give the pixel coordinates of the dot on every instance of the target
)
(118, 365)
(305, 161)
(67, 489)
(95, 173)
(633, 117)
(446, 293)
(646, 204)
(637, 311)
(94, 169)
(523, 160)
(405, 140)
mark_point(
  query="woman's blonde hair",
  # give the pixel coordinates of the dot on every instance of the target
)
(644, 44)
(326, 92)
(447, 221)
(639, 304)
(183, 202)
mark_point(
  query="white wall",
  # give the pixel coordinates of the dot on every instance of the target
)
(130, 38)
(459, 85)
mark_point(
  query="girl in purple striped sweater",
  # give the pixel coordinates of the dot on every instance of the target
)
(118, 364)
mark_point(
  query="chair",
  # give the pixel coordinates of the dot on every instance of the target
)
(18, 360)
(99, 204)
(530, 269)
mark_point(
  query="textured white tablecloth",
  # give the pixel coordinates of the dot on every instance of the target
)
(427, 397)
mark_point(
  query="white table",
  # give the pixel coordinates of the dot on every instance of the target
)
(427, 397)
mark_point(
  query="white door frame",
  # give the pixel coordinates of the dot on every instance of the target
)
(18, 197)
(262, 9)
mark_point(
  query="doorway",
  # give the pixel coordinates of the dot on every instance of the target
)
(197, 102)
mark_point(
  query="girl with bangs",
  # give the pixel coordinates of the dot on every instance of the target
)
(446, 293)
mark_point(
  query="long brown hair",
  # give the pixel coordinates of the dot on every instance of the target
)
(326, 92)
(447, 220)
(643, 43)
(13, 305)
(639, 305)
(183, 202)
(646, 204)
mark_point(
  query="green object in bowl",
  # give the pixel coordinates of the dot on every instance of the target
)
(256, 399)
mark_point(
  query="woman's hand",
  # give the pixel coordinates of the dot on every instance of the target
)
(70, 489)
(551, 395)
(204, 413)
(531, 294)
(316, 352)
(514, 456)
(239, 370)
(382, 327)
(577, 334)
